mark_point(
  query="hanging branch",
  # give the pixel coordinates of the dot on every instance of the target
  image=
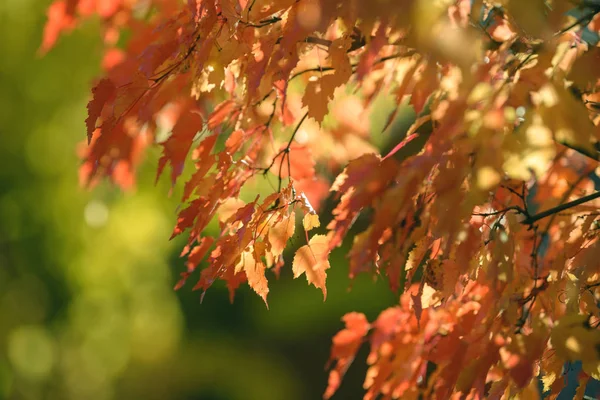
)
(531, 219)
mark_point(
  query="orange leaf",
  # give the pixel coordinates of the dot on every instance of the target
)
(61, 17)
(179, 143)
(301, 163)
(320, 91)
(281, 232)
(345, 345)
(254, 269)
(585, 72)
(311, 259)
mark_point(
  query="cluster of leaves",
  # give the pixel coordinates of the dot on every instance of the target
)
(483, 215)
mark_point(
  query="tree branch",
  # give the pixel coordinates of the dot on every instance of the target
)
(284, 153)
(594, 156)
(408, 53)
(534, 218)
(358, 41)
(584, 19)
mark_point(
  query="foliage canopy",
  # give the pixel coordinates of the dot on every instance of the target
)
(482, 214)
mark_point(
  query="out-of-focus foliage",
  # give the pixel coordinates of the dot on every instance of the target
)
(87, 309)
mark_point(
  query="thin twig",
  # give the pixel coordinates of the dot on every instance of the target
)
(503, 211)
(586, 18)
(325, 69)
(286, 150)
(284, 153)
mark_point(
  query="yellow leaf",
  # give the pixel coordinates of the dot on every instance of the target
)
(310, 221)
(417, 253)
(574, 340)
(530, 17)
(531, 392)
(487, 177)
(551, 366)
(312, 260)
(567, 118)
(592, 369)
(529, 149)
(585, 72)
(430, 296)
(548, 379)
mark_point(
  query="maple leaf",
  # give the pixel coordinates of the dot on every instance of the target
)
(296, 161)
(254, 269)
(220, 114)
(310, 221)
(583, 74)
(205, 161)
(103, 93)
(572, 338)
(312, 260)
(424, 86)
(61, 17)
(530, 149)
(280, 232)
(345, 345)
(179, 143)
(320, 91)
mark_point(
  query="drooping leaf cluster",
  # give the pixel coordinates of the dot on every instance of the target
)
(482, 215)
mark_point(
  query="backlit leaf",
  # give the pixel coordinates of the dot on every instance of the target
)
(312, 260)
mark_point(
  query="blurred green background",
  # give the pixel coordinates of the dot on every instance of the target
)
(87, 309)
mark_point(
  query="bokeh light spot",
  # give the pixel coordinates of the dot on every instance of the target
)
(31, 351)
(95, 214)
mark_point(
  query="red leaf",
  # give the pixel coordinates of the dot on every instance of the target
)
(297, 162)
(220, 114)
(179, 143)
(61, 17)
(103, 93)
(198, 252)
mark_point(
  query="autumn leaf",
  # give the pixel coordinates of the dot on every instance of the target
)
(529, 149)
(103, 92)
(424, 86)
(312, 260)
(296, 161)
(280, 232)
(179, 143)
(320, 91)
(254, 269)
(530, 17)
(345, 346)
(583, 74)
(61, 17)
(567, 118)
(310, 221)
(573, 339)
